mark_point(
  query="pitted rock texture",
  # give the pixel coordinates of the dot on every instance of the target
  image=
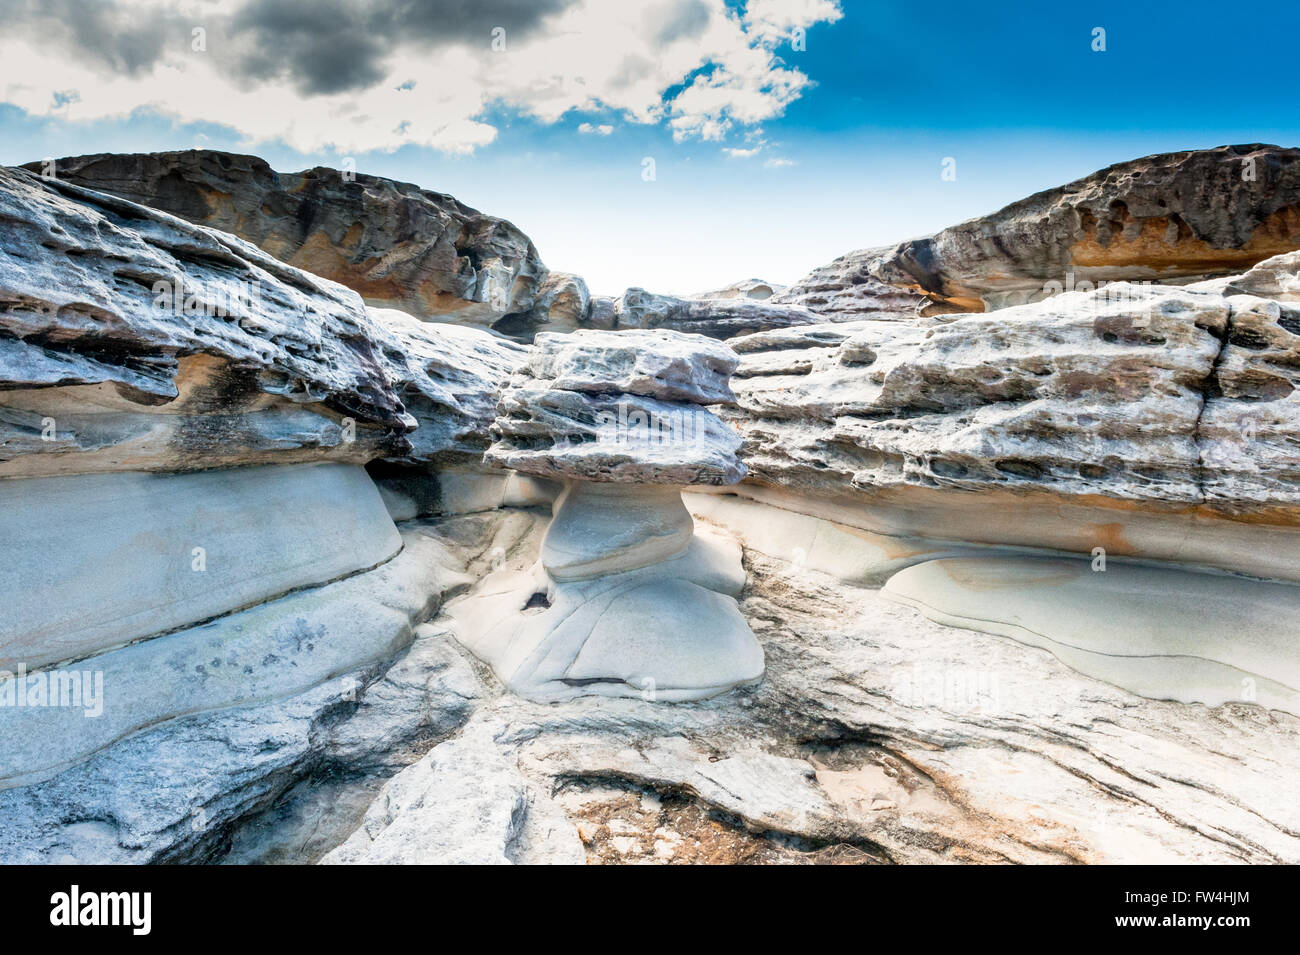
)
(620, 406)
(449, 378)
(1173, 216)
(1135, 393)
(396, 244)
(657, 364)
(562, 304)
(845, 290)
(133, 340)
(717, 318)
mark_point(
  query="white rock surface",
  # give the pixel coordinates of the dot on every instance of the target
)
(1162, 633)
(720, 318)
(100, 560)
(609, 528)
(464, 803)
(666, 631)
(1153, 422)
(622, 438)
(655, 364)
(272, 651)
(173, 789)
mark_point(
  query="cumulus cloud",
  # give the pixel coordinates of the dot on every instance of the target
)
(379, 74)
(589, 129)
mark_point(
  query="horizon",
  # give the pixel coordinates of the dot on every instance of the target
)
(768, 160)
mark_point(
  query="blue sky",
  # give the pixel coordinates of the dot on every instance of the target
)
(847, 135)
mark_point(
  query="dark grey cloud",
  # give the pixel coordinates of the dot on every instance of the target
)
(329, 46)
(317, 46)
(100, 31)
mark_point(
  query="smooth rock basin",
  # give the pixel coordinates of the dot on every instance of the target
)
(111, 558)
(1159, 632)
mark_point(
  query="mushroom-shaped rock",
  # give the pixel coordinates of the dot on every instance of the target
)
(622, 419)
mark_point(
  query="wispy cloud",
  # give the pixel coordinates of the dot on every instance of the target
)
(379, 74)
(589, 129)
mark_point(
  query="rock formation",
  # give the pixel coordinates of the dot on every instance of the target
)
(1173, 217)
(1143, 410)
(716, 318)
(396, 244)
(182, 428)
(846, 290)
(755, 289)
(978, 587)
(627, 599)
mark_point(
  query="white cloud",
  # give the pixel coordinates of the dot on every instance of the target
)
(776, 19)
(597, 130)
(737, 153)
(778, 162)
(591, 55)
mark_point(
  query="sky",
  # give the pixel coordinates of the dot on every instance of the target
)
(675, 145)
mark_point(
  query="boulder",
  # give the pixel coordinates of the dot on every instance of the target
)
(1177, 217)
(396, 244)
(845, 290)
(621, 407)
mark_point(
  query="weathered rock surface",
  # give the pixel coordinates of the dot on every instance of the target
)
(227, 747)
(755, 289)
(633, 625)
(1157, 632)
(396, 244)
(1174, 216)
(876, 736)
(99, 560)
(464, 803)
(715, 318)
(622, 407)
(621, 599)
(562, 304)
(1169, 404)
(880, 736)
(658, 364)
(136, 341)
(448, 378)
(845, 290)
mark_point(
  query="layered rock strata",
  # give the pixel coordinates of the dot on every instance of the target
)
(625, 599)
(135, 341)
(183, 424)
(1150, 421)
